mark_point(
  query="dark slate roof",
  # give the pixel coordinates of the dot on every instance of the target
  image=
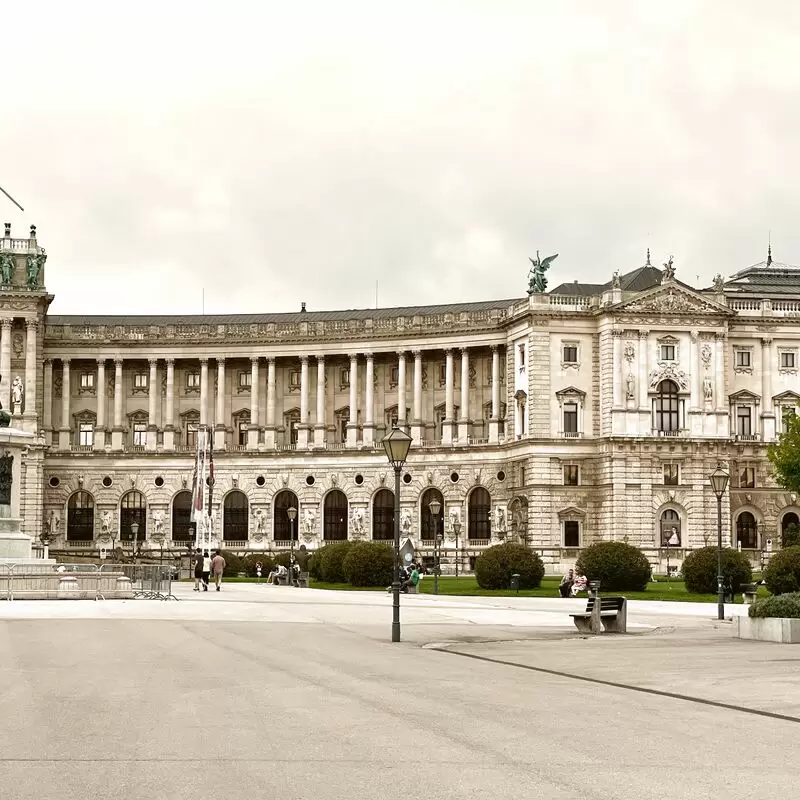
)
(576, 289)
(290, 316)
(765, 279)
(638, 280)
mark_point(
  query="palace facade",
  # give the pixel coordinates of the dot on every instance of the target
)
(594, 411)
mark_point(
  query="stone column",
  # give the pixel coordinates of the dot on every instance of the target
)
(644, 372)
(697, 370)
(369, 412)
(152, 395)
(449, 411)
(169, 407)
(417, 425)
(720, 403)
(100, 393)
(47, 400)
(254, 427)
(618, 375)
(117, 431)
(768, 411)
(302, 429)
(494, 421)
(269, 432)
(352, 424)
(220, 421)
(31, 373)
(319, 427)
(5, 361)
(401, 390)
(204, 391)
(64, 429)
(463, 412)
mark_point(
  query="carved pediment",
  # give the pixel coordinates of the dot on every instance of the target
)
(668, 372)
(572, 512)
(743, 396)
(787, 397)
(672, 299)
(571, 391)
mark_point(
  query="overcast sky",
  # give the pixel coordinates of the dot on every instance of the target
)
(274, 152)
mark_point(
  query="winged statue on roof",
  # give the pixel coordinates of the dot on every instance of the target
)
(538, 282)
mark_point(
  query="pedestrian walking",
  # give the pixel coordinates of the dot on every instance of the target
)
(206, 570)
(217, 568)
(197, 561)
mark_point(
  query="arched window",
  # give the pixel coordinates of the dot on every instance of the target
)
(183, 529)
(480, 506)
(283, 530)
(80, 517)
(383, 515)
(789, 519)
(430, 526)
(746, 531)
(234, 517)
(132, 508)
(334, 524)
(670, 528)
(667, 404)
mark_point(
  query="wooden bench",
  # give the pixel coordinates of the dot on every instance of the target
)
(603, 613)
(302, 580)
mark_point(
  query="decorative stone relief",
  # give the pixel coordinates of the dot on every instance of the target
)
(309, 523)
(629, 352)
(705, 355)
(668, 372)
(670, 301)
(357, 522)
(405, 522)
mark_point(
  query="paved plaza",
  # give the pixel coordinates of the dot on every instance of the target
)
(261, 691)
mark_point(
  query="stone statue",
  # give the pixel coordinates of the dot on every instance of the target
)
(106, 522)
(35, 266)
(629, 386)
(615, 281)
(6, 268)
(669, 270)
(405, 521)
(719, 283)
(260, 521)
(455, 515)
(538, 281)
(158, 523)
(357, 520)
(500, 518)
(708, 391)
(17, 393)
(309, 520)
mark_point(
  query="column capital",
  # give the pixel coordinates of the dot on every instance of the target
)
(304, 360)
(617, 333)
(170, 362)
(353, 357)
(118, 362)
(203, 361)
(220, 361)
(101, 362)
(6, 322)
(320, 358)
(153, 362)
(48, 362)
(416, 353)
(644, 333)
(31, 324)
(401, 354)
(766, 341)
(464, 350)
(65, 362)
(448, 351)
(369, 356)
(271, 361)
(254, 360)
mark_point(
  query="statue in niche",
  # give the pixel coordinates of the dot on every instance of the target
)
(35, 266)
(357, 520)
(708, 391)
(260, 519)
(538, 281)
(158, 523)
(6, 268)
(500, 518)
(629, 386)
(405, 521)
(669, 270)
(106, 522)
(6, 472)
(17, 393)
(309, 521)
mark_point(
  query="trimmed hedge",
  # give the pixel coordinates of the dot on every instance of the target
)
(369, 564)
(782, 574)
(791, 536)
(495, 566)
(783, 605)
(328, 562)
(700, 570)
(620, 567)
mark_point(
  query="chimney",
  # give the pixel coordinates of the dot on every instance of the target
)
(303, 308)
(8, 230)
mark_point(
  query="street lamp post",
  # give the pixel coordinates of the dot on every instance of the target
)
(719, 482)
(396, 444)
(457, 531)
(135, 534)
(291, 512)
(435, 507)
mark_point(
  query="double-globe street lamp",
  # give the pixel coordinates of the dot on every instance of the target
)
(396, 444)
(291, 512)
(435, 507)
(719, 483)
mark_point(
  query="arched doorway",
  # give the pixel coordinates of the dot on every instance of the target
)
(667, 405)
(334, 520)
(789, 519)
(431, 526)
(234, 517)
(80, 517)
(746, 531)
(183, 529)
(479, 514)
(383, 515)
(670, 528)
(283, 530)
(132, 508)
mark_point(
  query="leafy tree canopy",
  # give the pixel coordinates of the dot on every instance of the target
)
(785, 455)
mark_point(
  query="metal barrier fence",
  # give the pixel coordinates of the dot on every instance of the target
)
(31, 581)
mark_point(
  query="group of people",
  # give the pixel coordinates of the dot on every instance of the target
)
(204, 566)
(409, 576)
(280, 572)
(572, 583)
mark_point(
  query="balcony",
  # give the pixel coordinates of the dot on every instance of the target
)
(670, 434)
(235, 544)
(747, 437)
(80, 544)
(478, 542)
(571, 434)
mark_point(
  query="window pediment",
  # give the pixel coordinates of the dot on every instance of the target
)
(787, 397)
(85, 416)
(744, 397)
(571, 513)
(140, 415)
(570, 393)
(192, 415)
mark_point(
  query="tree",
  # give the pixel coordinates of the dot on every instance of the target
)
(784, 455)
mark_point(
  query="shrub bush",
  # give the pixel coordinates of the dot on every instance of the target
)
(369, 564)
(233, 563)
(620, 567)
(782, 574)
(782, 605)
(315, 564)
(791, 536)
(329, 562)
(495, 566)
(700, 570)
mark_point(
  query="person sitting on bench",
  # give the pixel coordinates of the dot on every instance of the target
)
(412, 580)
(580, 584)
(566, 583)
(278, 571)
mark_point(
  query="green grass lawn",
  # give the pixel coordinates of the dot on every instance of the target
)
(467, 586)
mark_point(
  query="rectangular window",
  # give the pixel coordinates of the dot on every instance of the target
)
(245, 380)
(572, 533)
(86, 434)
(140, 380)
(570, 417)
(671, 475)
(344, 378)
(521, 357)
(744, 421)
(394, 376)
(742, 358)
(570, 475)
(294, 378)
(787, 359)
(243, 426)
(667, 352)
(569, 354)
(192, 380)
(191, 434)
(442, 374)
(139, 434)
(87, 380)
(747, 478)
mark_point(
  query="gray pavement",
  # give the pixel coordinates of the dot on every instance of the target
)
(300, 695)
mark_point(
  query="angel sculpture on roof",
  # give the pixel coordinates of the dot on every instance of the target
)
(538, 281)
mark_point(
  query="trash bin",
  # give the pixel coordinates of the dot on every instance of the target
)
(515, 582)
